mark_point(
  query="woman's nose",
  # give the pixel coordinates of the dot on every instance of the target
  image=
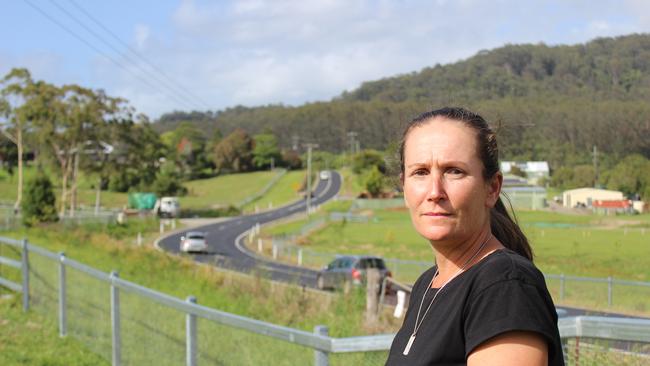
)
(436, 189)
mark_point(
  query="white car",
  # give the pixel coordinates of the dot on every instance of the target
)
(324, 175)
(194, 242)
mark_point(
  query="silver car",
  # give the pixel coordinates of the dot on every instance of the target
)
(194, 242)
(350, 270)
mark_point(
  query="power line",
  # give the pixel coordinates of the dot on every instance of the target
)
(105, 42)
(137, 54)
(84, 41)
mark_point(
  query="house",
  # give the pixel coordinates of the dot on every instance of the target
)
(584, 197)
(535, 170)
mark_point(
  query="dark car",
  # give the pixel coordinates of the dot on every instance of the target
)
(350, 270)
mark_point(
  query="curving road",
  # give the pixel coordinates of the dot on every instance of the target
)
(225, 239)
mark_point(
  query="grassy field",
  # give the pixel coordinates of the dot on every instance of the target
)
(283, 191)
(204, 193)
(32, 339)
(224, 190)
(114, 249)
(573, 245)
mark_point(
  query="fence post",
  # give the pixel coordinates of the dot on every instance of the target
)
(300, 256)
(562, 286)
(115, 320)
(63, 318)
(190, 336)
(25, 268)
(321, 358)
(610, 284)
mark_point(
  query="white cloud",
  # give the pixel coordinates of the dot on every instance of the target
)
(257, 52)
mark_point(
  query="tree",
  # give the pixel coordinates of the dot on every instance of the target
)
(373, 181)
(291, 159)
(168, 182)
(39, 204)
(266, 151)
(631, 176)
(366, 159)
(235, 152)
(14, 119)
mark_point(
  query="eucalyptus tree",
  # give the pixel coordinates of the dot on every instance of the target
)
(15, 95)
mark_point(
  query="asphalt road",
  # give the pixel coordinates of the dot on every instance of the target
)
(225, 239)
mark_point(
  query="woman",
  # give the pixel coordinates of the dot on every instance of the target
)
(484, 303)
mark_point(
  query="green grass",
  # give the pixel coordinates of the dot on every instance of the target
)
(32, 339)
(284, 191)
(178, 276)
(576, 245)
(224, 190)
(254, 297)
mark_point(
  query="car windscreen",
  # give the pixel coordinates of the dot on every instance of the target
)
(196, 236)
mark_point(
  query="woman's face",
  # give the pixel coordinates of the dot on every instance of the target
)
(444, 188)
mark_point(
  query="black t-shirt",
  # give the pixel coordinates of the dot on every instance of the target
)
(503, 292)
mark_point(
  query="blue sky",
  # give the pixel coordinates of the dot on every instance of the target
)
(191, 54)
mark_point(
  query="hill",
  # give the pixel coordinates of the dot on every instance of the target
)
(548, 102)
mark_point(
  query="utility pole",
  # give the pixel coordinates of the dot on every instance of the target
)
(309, 148)
(352, 137)
(595, 160)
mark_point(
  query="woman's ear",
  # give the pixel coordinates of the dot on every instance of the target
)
(494, 190)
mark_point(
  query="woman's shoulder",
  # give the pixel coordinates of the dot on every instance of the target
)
(506, 265)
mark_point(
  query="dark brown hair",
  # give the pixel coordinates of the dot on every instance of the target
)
(503, 226)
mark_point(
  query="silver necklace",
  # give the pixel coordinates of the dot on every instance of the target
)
(419, 322)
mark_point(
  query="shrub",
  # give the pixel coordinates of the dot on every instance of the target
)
(39, 204)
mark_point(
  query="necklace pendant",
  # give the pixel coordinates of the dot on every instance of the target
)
(408, 345)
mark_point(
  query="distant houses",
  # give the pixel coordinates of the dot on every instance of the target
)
(521, 183)
(535, 171)
(585, 197)
(601, 201)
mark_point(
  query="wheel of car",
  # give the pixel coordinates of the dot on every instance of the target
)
(320, 282)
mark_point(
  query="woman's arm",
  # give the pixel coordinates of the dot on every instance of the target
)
(511, 349)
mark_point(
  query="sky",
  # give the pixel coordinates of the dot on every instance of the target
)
(168, 55)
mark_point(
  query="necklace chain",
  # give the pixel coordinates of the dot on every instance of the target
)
(419, 322)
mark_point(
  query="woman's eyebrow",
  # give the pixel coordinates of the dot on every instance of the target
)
(417, 165)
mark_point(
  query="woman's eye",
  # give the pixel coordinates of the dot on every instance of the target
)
(454, 171)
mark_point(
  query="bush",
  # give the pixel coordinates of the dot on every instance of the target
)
(39, 204)
(168, 185)
(373, 181)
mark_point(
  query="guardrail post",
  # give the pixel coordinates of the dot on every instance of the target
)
(115, 320)
(190, 336)
(63, 319)
(300, 256)
(562, 286)
(25, 269)
(321, 358)
(610, 284)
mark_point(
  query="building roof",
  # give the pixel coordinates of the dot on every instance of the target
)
(594, 190)
(611, 204)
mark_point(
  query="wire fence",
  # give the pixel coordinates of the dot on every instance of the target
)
(128, 324)
(10, 220)
(590, 292)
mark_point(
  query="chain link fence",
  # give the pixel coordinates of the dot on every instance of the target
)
(128, 324)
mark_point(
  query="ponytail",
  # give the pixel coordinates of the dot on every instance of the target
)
(506, 230)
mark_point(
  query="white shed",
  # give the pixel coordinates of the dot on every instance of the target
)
(585, 196)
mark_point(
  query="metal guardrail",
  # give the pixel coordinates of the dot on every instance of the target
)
(619, 329)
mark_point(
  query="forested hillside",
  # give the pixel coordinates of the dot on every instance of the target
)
(547, 102)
